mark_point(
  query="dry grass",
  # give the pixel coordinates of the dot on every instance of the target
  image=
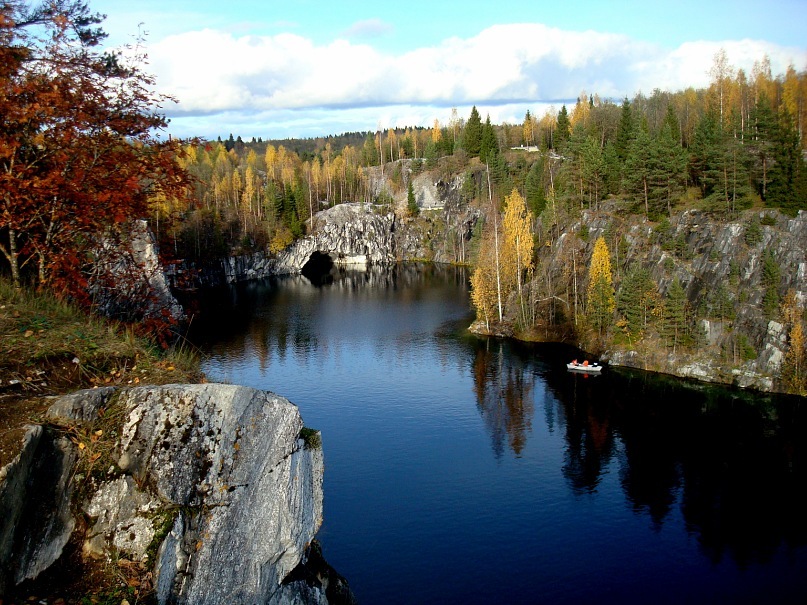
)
(50, 347)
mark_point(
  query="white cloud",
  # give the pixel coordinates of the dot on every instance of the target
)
(211, 71)
(369, 28)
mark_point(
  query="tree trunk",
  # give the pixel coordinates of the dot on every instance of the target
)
(12, 255)
(496, 247)
(646, 207)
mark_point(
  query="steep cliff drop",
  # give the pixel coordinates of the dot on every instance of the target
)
(217, 488)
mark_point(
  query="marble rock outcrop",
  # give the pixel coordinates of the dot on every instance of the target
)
(211, 484)
(351, 234)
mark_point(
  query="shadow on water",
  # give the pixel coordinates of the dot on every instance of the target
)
(733, 461)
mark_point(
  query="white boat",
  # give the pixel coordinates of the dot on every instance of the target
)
(580, 367)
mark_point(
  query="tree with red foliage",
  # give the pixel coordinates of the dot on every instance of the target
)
(79, 152)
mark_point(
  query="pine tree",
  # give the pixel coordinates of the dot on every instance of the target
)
(564, 128)
(593, 170)
(601, 303)
(613, 169)
(472, 134)
(705, 161)
(761, 141)
(675, 326)
(411, 203)
(639, 166)
(668, 169)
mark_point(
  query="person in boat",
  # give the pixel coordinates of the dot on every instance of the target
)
(585, 363)
(574, 362)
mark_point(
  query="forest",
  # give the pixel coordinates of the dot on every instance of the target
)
(734, 146)
(737, 144)
(80, 158)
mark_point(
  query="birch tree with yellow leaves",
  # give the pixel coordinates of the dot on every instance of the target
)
(517, 245)
(505, 256)
(794, 368)
(600, 293)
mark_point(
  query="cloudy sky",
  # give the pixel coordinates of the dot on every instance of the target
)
(305, 68)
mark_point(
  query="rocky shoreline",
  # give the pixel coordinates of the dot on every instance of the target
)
(215, 489)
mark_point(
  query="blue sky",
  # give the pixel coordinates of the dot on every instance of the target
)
(308, 68)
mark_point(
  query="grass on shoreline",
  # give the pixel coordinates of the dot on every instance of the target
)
(50, 347)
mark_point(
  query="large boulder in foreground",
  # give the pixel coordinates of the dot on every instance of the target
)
(230, 458)
(210, 484)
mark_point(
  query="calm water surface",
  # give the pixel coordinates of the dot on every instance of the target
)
(461, 470)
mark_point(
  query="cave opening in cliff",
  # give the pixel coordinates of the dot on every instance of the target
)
(319, 268)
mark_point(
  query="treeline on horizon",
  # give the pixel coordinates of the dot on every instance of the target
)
(736, 144)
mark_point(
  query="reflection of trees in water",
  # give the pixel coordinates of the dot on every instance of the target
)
(744, 480)
(273, 318)
(504, 395)
(590, 442)
(736, 468)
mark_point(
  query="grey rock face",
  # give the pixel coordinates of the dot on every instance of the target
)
(35, 517)
(124, 517)
(211, 482)
(13, 488)
(712, 256)
(128, 279)
(81, 406)
(350, 233)
(250, 492)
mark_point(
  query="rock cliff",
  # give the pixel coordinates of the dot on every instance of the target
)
(350, 234)
(213, 485)
(128, 281)
(720, 266)
(360, 235)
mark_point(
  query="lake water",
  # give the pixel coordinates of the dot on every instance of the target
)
(465, 470)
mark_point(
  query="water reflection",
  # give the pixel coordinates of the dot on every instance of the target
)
(503, 389)
(404, 394)
(733, 463)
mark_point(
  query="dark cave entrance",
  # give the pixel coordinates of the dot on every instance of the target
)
(319, 268)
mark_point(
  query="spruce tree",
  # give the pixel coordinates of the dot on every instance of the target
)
(489, 145)
(472, 134)
(564, 128)
(636, 299)
(675, 327)
(411, 203)
(533, 186)
(789, 173)
(771, 276)
(624, 132)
